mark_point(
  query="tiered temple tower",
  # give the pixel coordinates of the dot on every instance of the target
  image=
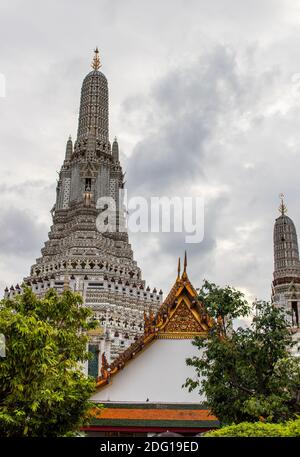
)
(286, 278)
(77, 256)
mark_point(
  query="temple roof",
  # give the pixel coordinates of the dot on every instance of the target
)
(158, 417)
(181, 316)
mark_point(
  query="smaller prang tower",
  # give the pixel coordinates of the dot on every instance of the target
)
(286, 277)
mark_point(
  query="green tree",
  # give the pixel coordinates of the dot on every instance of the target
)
(223, 304)
(43, 390)
(248, 374)
(258, 429)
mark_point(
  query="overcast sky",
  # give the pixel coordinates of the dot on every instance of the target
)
(204, 100)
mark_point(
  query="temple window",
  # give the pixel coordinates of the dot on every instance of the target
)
(88, 184)
(295, 315)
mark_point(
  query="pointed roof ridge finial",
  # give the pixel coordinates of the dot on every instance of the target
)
(116, 139)
(70, 137)
(184, 274)
(282, 207)
(179, 268)
(96, 64)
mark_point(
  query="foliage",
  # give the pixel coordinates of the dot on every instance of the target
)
(258, 429)
(250, 373)
(223, 304)
(43, 390)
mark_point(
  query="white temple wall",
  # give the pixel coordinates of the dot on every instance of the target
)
(155, 375)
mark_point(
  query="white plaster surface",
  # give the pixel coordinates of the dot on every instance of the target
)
(156, 374)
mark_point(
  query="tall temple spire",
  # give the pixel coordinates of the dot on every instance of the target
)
(78, 255)
(286, 252)
(286, 276)
(93, 112)
(96, 64)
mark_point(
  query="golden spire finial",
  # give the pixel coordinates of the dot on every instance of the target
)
(184, 274)
(282, 207)
(178, 276)
(96, 64)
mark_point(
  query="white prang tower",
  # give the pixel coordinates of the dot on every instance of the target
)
(77, 256)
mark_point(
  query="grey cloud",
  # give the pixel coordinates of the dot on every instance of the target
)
(25, 186)
(199, 93)
(188, 109)
(21, 234)
(197, 138)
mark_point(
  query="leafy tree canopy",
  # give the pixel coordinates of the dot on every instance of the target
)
(43, 390)
(258, 429)
(224, 304)
(247, 374)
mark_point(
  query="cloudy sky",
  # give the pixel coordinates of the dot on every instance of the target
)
(204, 99)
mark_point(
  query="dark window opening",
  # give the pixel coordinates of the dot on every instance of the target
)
(295, 315)
(88, 184)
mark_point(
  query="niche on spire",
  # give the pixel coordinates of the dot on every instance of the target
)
(88, 184)
(295, 314)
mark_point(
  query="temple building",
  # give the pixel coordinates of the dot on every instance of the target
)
(79, 257)
(142, 389)
(286, 276)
